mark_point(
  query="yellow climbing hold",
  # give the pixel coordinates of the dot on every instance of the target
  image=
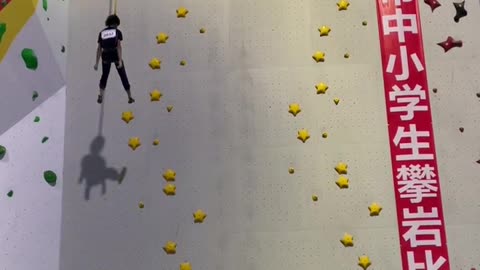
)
(347, 240)
(162, 38)
(199, 216)
(202, 30)
(343, 5)
(336, 101)
(321, 88)
(364, 262)
(134, 143)
(374, 209)
(341, 168)
(294, 109)
(183, 63)
(182, 12)
(170, 247)
(127, 116)
(169, 175)
(324, 31)
(155, 95)
(318, 56)
(169, 108)
(141, 205)
(303, 135)
(324, 135)
(314, 198)
(346, 55)
(291, 170)
(169, 189)
(342, 182)
(156, 142)
(185, 266)
(155, 63)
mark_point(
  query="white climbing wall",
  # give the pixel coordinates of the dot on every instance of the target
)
(30, 226)
(54, 21)
(455, 106)
(31, 217)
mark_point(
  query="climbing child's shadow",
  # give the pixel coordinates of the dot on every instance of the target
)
(95, 171)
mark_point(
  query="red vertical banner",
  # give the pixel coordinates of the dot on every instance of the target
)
(421, 226)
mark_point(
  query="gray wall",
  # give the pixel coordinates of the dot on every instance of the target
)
(231, 140)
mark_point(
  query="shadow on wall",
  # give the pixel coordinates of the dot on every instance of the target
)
(95, 171)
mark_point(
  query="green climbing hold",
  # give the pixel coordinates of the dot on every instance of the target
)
(44, 139)
(3, 151)
(45, 5)
(37, 119)
(3, 29)
(30, 59)
(34, 95)
(50, 177)
(10, 193)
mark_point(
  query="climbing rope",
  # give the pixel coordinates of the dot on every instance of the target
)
(113, 7)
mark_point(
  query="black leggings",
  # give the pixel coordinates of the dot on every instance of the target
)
(106, 71)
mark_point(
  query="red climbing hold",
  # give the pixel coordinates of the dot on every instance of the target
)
(432, 3)
(4, 3)
(450, 43)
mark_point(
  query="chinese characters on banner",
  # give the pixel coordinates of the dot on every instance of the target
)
(421, 226)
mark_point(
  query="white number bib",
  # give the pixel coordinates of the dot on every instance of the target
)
(111, 33)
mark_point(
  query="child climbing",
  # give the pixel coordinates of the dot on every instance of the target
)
(110, 50)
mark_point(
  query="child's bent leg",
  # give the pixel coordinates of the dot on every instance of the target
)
(103, 81)
(105, 72)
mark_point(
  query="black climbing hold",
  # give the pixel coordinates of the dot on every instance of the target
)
(44, 139)
(50, 177)
(461, 129)
(63, 49)
(3, 151)
(3, 29)
(30, 59)
(460, 9)
(478, 95)
(34, 95)
(434, 90)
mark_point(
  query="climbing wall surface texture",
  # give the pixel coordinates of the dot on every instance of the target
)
(30, 205)
(228, 146)
(32, 116)
(28, 66)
